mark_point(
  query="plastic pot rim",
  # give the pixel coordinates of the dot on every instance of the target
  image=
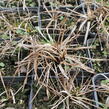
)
(94, 87)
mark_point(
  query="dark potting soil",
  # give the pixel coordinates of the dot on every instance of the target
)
(21, 97)
(101, 51)
(9, 65)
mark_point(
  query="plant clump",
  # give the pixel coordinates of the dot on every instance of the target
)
(61, 43)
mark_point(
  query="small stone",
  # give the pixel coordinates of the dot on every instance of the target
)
(10, 108)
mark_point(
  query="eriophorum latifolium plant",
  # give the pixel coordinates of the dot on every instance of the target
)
(56, 69)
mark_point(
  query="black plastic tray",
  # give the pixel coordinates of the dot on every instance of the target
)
(33, 9)
(14, 79)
